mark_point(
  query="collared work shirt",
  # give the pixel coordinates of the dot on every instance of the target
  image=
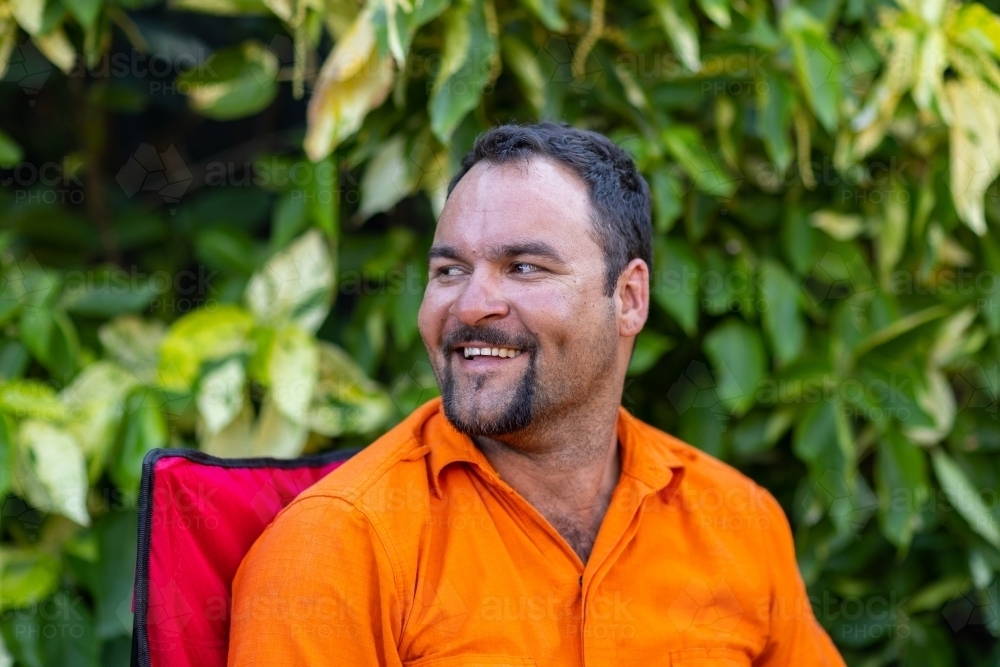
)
(416, 553)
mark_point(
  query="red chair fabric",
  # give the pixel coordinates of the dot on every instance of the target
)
(198, 517)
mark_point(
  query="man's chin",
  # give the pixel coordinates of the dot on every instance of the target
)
(486, 420)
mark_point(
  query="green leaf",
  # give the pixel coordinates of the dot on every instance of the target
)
(220, 394)
(221, 7)
(31, 399)
(296, 285)
(681, 29)
(668, 198)
(117, 535)
(893, 230)
(775, 101)
(737, 354)
(51, 338)
(234, 83)
(134, 343)
(288, 219)
(757, 433)
(14, 359)
(27, 576)
(964, 496)
(783, 322)
(57, 464)
(903, 488)
(8, 449)
(547, 12)
(324, 197)
(96, 401)
(688, 148)
(227, 249)
(10, 152)
(841, 226)
(71, 644)
(293, 371)
(649, 347)
(675, 287)
(817, 64)
(523, 62)
(29, 14)
(200, 336)
(717, 11)
(466, 63)
(56, 46)
(106, 295)
(84, 11)
(143, 429)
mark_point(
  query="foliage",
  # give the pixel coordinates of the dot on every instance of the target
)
(210, 240)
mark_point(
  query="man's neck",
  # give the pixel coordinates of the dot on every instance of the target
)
(567, 473)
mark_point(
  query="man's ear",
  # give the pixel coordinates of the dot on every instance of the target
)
(632, 298)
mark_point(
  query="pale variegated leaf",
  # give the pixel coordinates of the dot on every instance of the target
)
(220, 395)
(200, 336)
(294, 370)
(95, 403)
(975, 149)
(277, 435)
(54, 458)
(55, 46)
(353, 81)
(296, 284)
(389, 177)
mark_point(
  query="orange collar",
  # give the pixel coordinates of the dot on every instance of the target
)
(646, 455)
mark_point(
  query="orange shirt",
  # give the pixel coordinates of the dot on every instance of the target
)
(416, 553)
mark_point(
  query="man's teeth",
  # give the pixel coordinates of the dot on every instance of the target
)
(505, 352)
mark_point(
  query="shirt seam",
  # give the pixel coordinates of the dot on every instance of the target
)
(378, 528)
(392, 555)
(357, 490)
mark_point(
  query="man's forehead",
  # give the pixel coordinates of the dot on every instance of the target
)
(533, 199)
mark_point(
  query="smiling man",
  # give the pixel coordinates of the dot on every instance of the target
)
(525, 518)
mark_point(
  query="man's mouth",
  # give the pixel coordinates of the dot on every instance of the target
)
(502, 352)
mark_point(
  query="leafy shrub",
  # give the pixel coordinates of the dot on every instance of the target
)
(211, 240)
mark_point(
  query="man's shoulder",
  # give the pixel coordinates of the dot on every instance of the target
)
(707, 478)
(395, 461)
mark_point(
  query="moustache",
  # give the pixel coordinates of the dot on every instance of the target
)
(490, 335)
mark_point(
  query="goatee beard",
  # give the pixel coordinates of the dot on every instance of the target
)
(517, 415)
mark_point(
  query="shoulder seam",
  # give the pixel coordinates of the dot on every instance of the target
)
(391, 554)
(358, 489)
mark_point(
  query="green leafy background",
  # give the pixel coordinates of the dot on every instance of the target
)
(215, 218)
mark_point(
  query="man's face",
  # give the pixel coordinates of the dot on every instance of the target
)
(515, 266)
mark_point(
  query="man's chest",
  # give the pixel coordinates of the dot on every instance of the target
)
(494, 588)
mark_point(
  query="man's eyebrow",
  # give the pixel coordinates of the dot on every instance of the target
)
(443, 252)
(501, 251)
(537, 248)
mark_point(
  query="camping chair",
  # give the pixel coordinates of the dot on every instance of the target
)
(198, 517)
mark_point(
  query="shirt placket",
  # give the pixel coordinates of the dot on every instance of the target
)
(597, 638)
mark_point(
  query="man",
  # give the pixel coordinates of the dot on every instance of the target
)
(525, 518)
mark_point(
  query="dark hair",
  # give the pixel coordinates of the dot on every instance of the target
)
(619, 195)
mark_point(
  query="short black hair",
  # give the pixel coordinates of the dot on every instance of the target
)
(619, 194)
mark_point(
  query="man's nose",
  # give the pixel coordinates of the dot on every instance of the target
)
(481, 299)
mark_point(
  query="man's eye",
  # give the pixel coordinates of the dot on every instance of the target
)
(524, 267)
(449, 271)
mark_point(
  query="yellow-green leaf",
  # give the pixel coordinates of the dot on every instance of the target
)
(354, 80)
